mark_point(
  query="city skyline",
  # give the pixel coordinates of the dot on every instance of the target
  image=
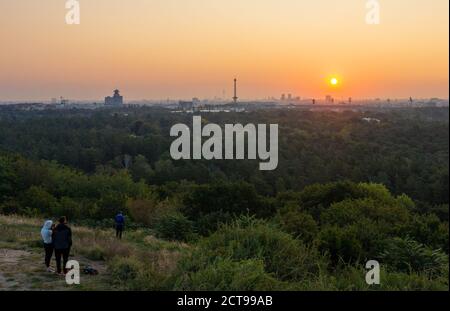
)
(171, 49)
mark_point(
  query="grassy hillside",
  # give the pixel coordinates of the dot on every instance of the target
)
(22, 262)
(247, 255)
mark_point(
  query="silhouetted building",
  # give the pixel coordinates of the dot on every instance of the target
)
(115, 100)
(185, 105)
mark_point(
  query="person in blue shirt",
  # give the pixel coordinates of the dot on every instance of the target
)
(120, 224)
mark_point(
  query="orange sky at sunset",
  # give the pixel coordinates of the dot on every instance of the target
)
(157, 49)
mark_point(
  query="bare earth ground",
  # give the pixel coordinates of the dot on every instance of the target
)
(22, 255)
(25, 270)
(22, 261)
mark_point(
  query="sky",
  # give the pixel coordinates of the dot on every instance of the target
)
(179, 49)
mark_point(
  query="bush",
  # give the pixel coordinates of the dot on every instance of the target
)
(11, 207)
(174, 226)
(416, 281)
(250, 239)
(148, 212)
(389, 216)
(300, 225)
(318, 198)
(352, 278)
(125, 269)
(342, 244)
(356, 228)
(8, 178)
(68, 207)
(429, 230)
(38, 199)
(228, 275)
(95, 253)
(212, 204)
(130, 273)
(407, 255)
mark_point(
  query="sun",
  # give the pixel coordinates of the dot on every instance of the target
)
(334, 81)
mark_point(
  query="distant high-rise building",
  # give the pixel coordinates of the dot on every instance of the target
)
(185, 105)
(283, 96)
(289, 96)
(115, 100)
(63, 102)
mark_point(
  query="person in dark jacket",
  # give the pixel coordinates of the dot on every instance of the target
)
(62, 242)
(120, 225)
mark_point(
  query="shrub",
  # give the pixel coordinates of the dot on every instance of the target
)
(207, 224)
(130, 273)
(251, 239)
(351, 278)
(8, 178)
(228, 275)
(220, 202)
(407, 255)
(110, 203)
(148, 212)
(356, 229)
(69, 207)
(389, 216)
(38, 199)
(125, 269)
(342, 244)
(429, 230)
(315, 198)
(11, 207)
(96, 253)
(300, 225)
(174, 226)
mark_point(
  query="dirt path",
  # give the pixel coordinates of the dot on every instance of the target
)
(24, 270)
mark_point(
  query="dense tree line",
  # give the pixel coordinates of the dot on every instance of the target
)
(407, 151)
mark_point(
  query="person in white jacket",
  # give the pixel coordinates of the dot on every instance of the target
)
(46, 233)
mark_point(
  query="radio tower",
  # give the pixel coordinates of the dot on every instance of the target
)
(235, 98)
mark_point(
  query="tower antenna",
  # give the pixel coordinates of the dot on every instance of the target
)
(235, 98)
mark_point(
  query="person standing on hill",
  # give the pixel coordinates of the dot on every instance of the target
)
(120, 224)
(46, 233)
(62, 240)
